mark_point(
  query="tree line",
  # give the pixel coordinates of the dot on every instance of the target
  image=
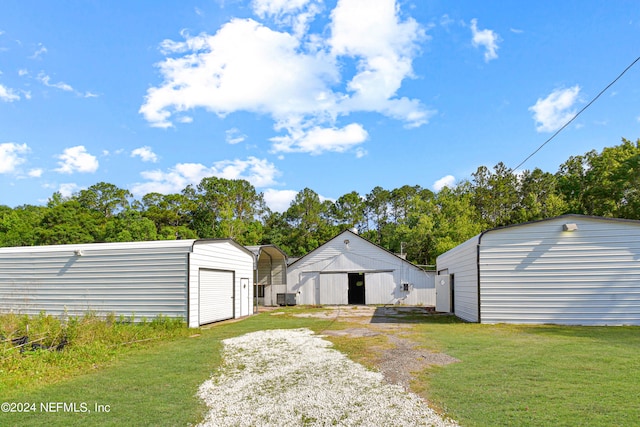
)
(413, 220)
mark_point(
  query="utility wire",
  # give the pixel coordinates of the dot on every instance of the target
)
(578, 113)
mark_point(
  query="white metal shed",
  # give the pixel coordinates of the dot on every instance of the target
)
(203, 281)
(349, 269)
(572, 269)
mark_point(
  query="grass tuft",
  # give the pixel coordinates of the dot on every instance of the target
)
(43, 349)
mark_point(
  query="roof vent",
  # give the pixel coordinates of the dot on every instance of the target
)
(569, 227)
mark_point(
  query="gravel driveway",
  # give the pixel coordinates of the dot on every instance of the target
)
(293, 378)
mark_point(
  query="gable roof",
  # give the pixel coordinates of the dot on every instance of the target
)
(350, 235)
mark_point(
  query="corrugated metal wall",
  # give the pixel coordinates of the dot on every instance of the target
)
(349, 252)
(124, 279)
(538, 273)
(333, 289)
(143, 279)
(222, 255)
(461, 262)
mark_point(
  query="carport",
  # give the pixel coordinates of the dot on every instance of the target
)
(270, 274)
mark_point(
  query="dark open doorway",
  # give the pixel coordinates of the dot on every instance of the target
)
(356, 288)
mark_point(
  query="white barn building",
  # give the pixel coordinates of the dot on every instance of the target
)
(571, 269)
(349, 269)
(202, 281)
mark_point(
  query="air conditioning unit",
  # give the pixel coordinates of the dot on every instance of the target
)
(286, 299)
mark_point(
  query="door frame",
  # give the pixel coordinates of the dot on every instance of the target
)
(355, 296)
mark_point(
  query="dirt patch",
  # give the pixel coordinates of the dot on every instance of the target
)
(399, 363)
(352, 332)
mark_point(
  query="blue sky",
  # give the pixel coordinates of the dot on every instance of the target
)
(336, 96)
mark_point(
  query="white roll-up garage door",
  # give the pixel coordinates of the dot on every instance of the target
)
(216, 296)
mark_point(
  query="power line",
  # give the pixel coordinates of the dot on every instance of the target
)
(578, 113)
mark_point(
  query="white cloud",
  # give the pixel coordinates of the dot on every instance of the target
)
(279, 200)
(445, 181)
(259, 172)
(384, 47)
(41, 50)
(446, 21)
(8, 95)
(23, 72)
(35, 173)
(107, 153)
(554, 111)
(10, 156)
(318, 140)
(294, 76)
(76, 159)
(68, 189)
(46, 80)
(295, 14)
(234, 136)
(264, 8)
(145, 153)
(485, 38)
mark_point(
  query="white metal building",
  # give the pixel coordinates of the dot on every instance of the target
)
(202, 281)
(270, 275)
(571, 269)
(349, 269)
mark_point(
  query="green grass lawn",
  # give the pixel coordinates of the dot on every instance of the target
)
(508, 375)
(151, 386)
(536, 375)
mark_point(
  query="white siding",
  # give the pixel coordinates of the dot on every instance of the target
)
(333, 288)
(461, 262)
(358, 256)
(143, 279)
(306, 286)
(215, 299)
(422, 287)
(221, 255)
(538, 273)
(271, 294)
(382, 288)
(121, 278)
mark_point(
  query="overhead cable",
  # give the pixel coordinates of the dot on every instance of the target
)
(578, 113)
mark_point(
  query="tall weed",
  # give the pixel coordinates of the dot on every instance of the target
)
(37, 350)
